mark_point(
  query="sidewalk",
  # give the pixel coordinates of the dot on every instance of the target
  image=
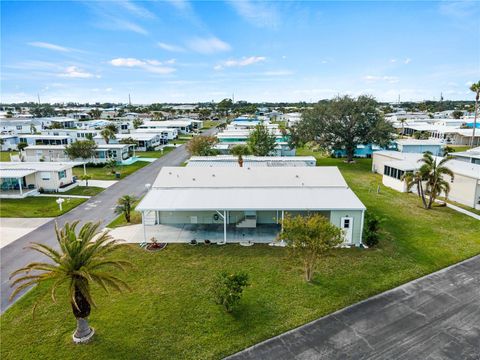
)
(98, 183)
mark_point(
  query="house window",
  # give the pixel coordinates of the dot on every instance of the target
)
(62, 174)
(44, 175)
(19, 127)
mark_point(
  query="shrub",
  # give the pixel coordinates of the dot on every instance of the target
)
(371, 229)
(228, 288)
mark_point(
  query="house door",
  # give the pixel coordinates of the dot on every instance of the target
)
(346, 223)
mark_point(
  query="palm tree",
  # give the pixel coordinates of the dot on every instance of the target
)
(107, 135)
(84, 258)
(125, 204)
(111, 165)
(403, 121)
(431, 175)
(476, 89)
(85, 177)
(240, 151)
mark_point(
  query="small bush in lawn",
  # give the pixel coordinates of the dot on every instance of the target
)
(227, 289)
(370, 231)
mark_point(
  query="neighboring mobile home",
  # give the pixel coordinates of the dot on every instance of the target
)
(21, 179)
(234, 199)
(464, 189)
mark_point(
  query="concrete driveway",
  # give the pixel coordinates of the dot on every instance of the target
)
(435, 317)
(12, 229)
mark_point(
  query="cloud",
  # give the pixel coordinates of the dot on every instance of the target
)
(259, 14)
(407, 61)
(245, 61)
(182, 5)
(136, 10)
(208, 45)
(153, 66)
(170, 47)
(75, 72)
(373, 78)
(49, 46)
(393, 61)
(113, 15)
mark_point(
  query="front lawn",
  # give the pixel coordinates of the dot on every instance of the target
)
(102, 173)
(170, 313)
(208, 124)
(84, 190)
(154, 154)
(36, 206)
(5, 155)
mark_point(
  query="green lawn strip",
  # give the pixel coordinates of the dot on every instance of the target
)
(208, 124)
(5, 155)
(84, 190)
(154, 154)
(170, 313)
(101, 173)
(36, 206)
(468, 208)
(458, 148)
(135, 218)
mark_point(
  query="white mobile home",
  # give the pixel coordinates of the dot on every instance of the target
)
(250, 161)
(225, 202)
(21, 179)
(182, 126)
(9, 142)
(45, 139)
(464, 189)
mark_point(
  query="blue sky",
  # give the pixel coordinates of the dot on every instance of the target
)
(181, 51)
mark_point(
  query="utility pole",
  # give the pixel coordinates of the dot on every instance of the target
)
(129, 100)
(38, 97)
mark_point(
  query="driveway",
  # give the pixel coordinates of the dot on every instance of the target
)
(12, 229)
(435, 317)
(98, 208)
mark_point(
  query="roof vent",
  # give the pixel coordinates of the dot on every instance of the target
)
(169, 173)
(213, 175)
(297, 176)
(193, 179)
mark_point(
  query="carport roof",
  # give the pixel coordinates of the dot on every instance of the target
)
(273, 198)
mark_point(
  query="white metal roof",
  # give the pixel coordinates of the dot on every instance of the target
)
(413, 142)
(195, 199)
(38, 166)
(15, 173)
(255, 188)
(220, 177)
(229, 160)
(45, 147)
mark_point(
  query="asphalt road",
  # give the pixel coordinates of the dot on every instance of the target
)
(434, 317)
(98, 208)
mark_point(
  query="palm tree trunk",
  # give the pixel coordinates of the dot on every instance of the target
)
(474, 121)
(81, 310)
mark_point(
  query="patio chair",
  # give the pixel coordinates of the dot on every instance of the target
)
(31, 186)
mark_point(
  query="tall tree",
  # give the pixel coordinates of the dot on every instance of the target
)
(84, 257)
(260, 141)
(240, 151)
(202, 146)
(476, 89)
(310, 237)
(430, 179)
(83, 149)
(112, 127)
(107, 135)
(344, 123)
(137, 123)
(95, 113)
(225, 106)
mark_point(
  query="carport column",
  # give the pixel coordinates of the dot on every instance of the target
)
(283, 216)
(225, 226)
(144, 230)
(20, 185)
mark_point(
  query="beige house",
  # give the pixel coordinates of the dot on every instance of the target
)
(22, 179)
(393, 165)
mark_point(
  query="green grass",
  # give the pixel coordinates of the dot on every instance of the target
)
(208, 124)
(35, 206)
(84, 190)
(101, 173)
(135, 218)
(154, 154)
(170, 313)
(5, 155)
(459, 148)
